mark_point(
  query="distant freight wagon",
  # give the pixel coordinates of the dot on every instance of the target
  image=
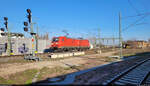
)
(136, 44)
(63, 43)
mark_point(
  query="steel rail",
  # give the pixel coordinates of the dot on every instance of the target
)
(129, 76)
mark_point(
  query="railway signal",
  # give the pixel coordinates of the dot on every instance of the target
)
(9, 50)
(25, 29)
(27, 25)
(5, 18)
(6, 22)
(2, 29)
(29, 15)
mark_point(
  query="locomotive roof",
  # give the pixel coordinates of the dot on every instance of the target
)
(72, 38)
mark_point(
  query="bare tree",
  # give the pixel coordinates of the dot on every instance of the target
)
(45, 36)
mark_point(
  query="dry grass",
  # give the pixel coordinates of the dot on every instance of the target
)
(24, 77)
(53, 72)
(131, 52)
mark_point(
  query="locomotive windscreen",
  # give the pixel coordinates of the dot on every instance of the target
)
(55, 40)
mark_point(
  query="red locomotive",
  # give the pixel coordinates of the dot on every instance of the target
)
(65, 44)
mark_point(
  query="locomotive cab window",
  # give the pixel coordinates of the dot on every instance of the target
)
(55, 40)
(63, 40)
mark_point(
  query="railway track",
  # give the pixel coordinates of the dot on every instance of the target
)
(43, 56)
(39, 54)
(136, 75)
(59, 52)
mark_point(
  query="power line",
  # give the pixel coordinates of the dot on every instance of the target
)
(138, 14)
(145, 7)
(141, 23)
(137, 11)
(148, 13)
(133, 7)
(135, 22)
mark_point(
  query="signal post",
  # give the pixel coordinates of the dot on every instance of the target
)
(31, 31)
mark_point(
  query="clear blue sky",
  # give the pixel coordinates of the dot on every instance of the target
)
(78, 17)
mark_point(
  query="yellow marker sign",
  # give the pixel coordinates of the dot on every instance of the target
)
(11, 53)
(32, 45)
(36, 52)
